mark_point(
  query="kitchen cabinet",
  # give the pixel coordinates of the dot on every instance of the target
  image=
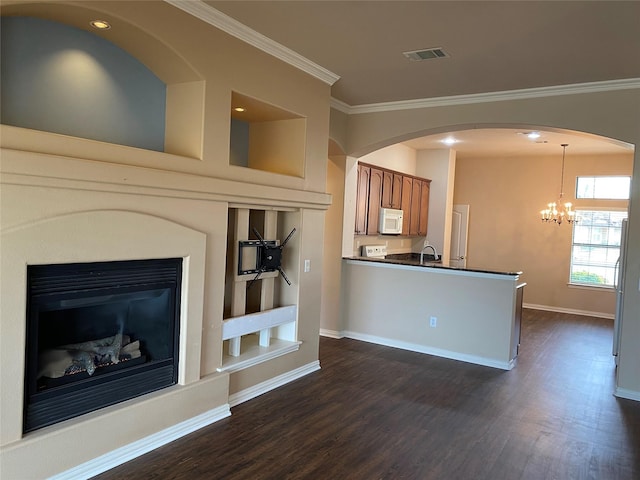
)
(405, 203)
(375, 201)
(379, 187)
(414, 213)
(396, 198)
(391, 190)
(418, 214)
(423, 217)
(362, 199)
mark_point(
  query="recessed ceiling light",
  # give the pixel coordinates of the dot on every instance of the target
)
(100, 24)
(240, 109)
(531, 135)
(449, 141)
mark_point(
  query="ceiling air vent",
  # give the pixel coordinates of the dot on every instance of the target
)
(425, 54)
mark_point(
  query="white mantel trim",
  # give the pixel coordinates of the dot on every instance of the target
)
(231, 26)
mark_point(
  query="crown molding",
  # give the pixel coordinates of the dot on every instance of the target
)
(577, 88)
(341, 106)
(216, 18)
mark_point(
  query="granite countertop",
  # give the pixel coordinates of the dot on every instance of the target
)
(413, 259)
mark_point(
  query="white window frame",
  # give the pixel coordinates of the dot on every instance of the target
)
(605, 268)
(595, 189)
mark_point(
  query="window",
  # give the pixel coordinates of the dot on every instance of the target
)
(606, 188)
(596, 247)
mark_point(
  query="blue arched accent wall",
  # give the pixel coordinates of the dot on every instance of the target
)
(65, 80)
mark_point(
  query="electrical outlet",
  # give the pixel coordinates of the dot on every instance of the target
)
(307, 265)
(433, 322)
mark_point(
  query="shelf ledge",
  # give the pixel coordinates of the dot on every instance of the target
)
(253, 354)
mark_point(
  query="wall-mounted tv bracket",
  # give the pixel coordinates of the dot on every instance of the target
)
(268, 256)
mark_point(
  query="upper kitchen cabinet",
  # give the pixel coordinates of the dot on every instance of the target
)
(266, 137)
(423, 218)
(414, 213)
(382, 188)
(419, 207)
(375, 201)
(391, 190)
(362, 199)
(405, 203)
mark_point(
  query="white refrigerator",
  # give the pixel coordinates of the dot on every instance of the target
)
(619, 287)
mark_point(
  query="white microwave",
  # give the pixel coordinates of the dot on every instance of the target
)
(390, 221)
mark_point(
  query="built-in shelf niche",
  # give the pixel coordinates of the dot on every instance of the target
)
(266, 137)
(93, 91)
(260, 317)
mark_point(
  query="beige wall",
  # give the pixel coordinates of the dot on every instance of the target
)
(394, 157)
(332, 264)
(614, 114)
(439, 165)
(278, 146)
(505, 231)
(392, 305)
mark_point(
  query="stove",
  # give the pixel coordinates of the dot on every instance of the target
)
(373, 251)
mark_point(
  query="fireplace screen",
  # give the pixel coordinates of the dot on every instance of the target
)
(99, 334)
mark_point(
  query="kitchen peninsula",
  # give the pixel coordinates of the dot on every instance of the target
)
(462, 314)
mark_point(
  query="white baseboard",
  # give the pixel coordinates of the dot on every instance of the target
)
(273, 383)
(487, 362)
(573, 311)
(133, 450)
(331, 333)
(628, 394)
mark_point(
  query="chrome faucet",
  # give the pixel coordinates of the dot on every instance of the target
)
(427, 245)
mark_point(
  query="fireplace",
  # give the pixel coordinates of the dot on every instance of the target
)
(98, 334)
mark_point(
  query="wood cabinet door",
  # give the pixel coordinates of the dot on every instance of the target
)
(396, 195)
(362, 200)
(387, 189)
(405, 203)
(375, 200)
(414, 222)
(423, 221)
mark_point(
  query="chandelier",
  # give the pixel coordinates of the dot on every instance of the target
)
(559, 211)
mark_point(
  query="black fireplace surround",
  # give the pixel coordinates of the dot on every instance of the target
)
(98, 334)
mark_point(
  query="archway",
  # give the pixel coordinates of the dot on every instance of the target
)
(506, 187)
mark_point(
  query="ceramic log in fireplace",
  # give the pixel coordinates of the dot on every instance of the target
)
(99, 334)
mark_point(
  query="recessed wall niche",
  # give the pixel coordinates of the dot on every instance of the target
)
(260, 311)
(58, 76)
(271, 225)
(266, 137)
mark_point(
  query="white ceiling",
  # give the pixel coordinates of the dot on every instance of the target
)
(494, 46)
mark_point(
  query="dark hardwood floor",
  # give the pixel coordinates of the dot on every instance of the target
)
(376, 412)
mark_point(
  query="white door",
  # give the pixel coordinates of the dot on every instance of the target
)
(459, 231)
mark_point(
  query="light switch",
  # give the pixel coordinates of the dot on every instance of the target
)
(307, 265)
